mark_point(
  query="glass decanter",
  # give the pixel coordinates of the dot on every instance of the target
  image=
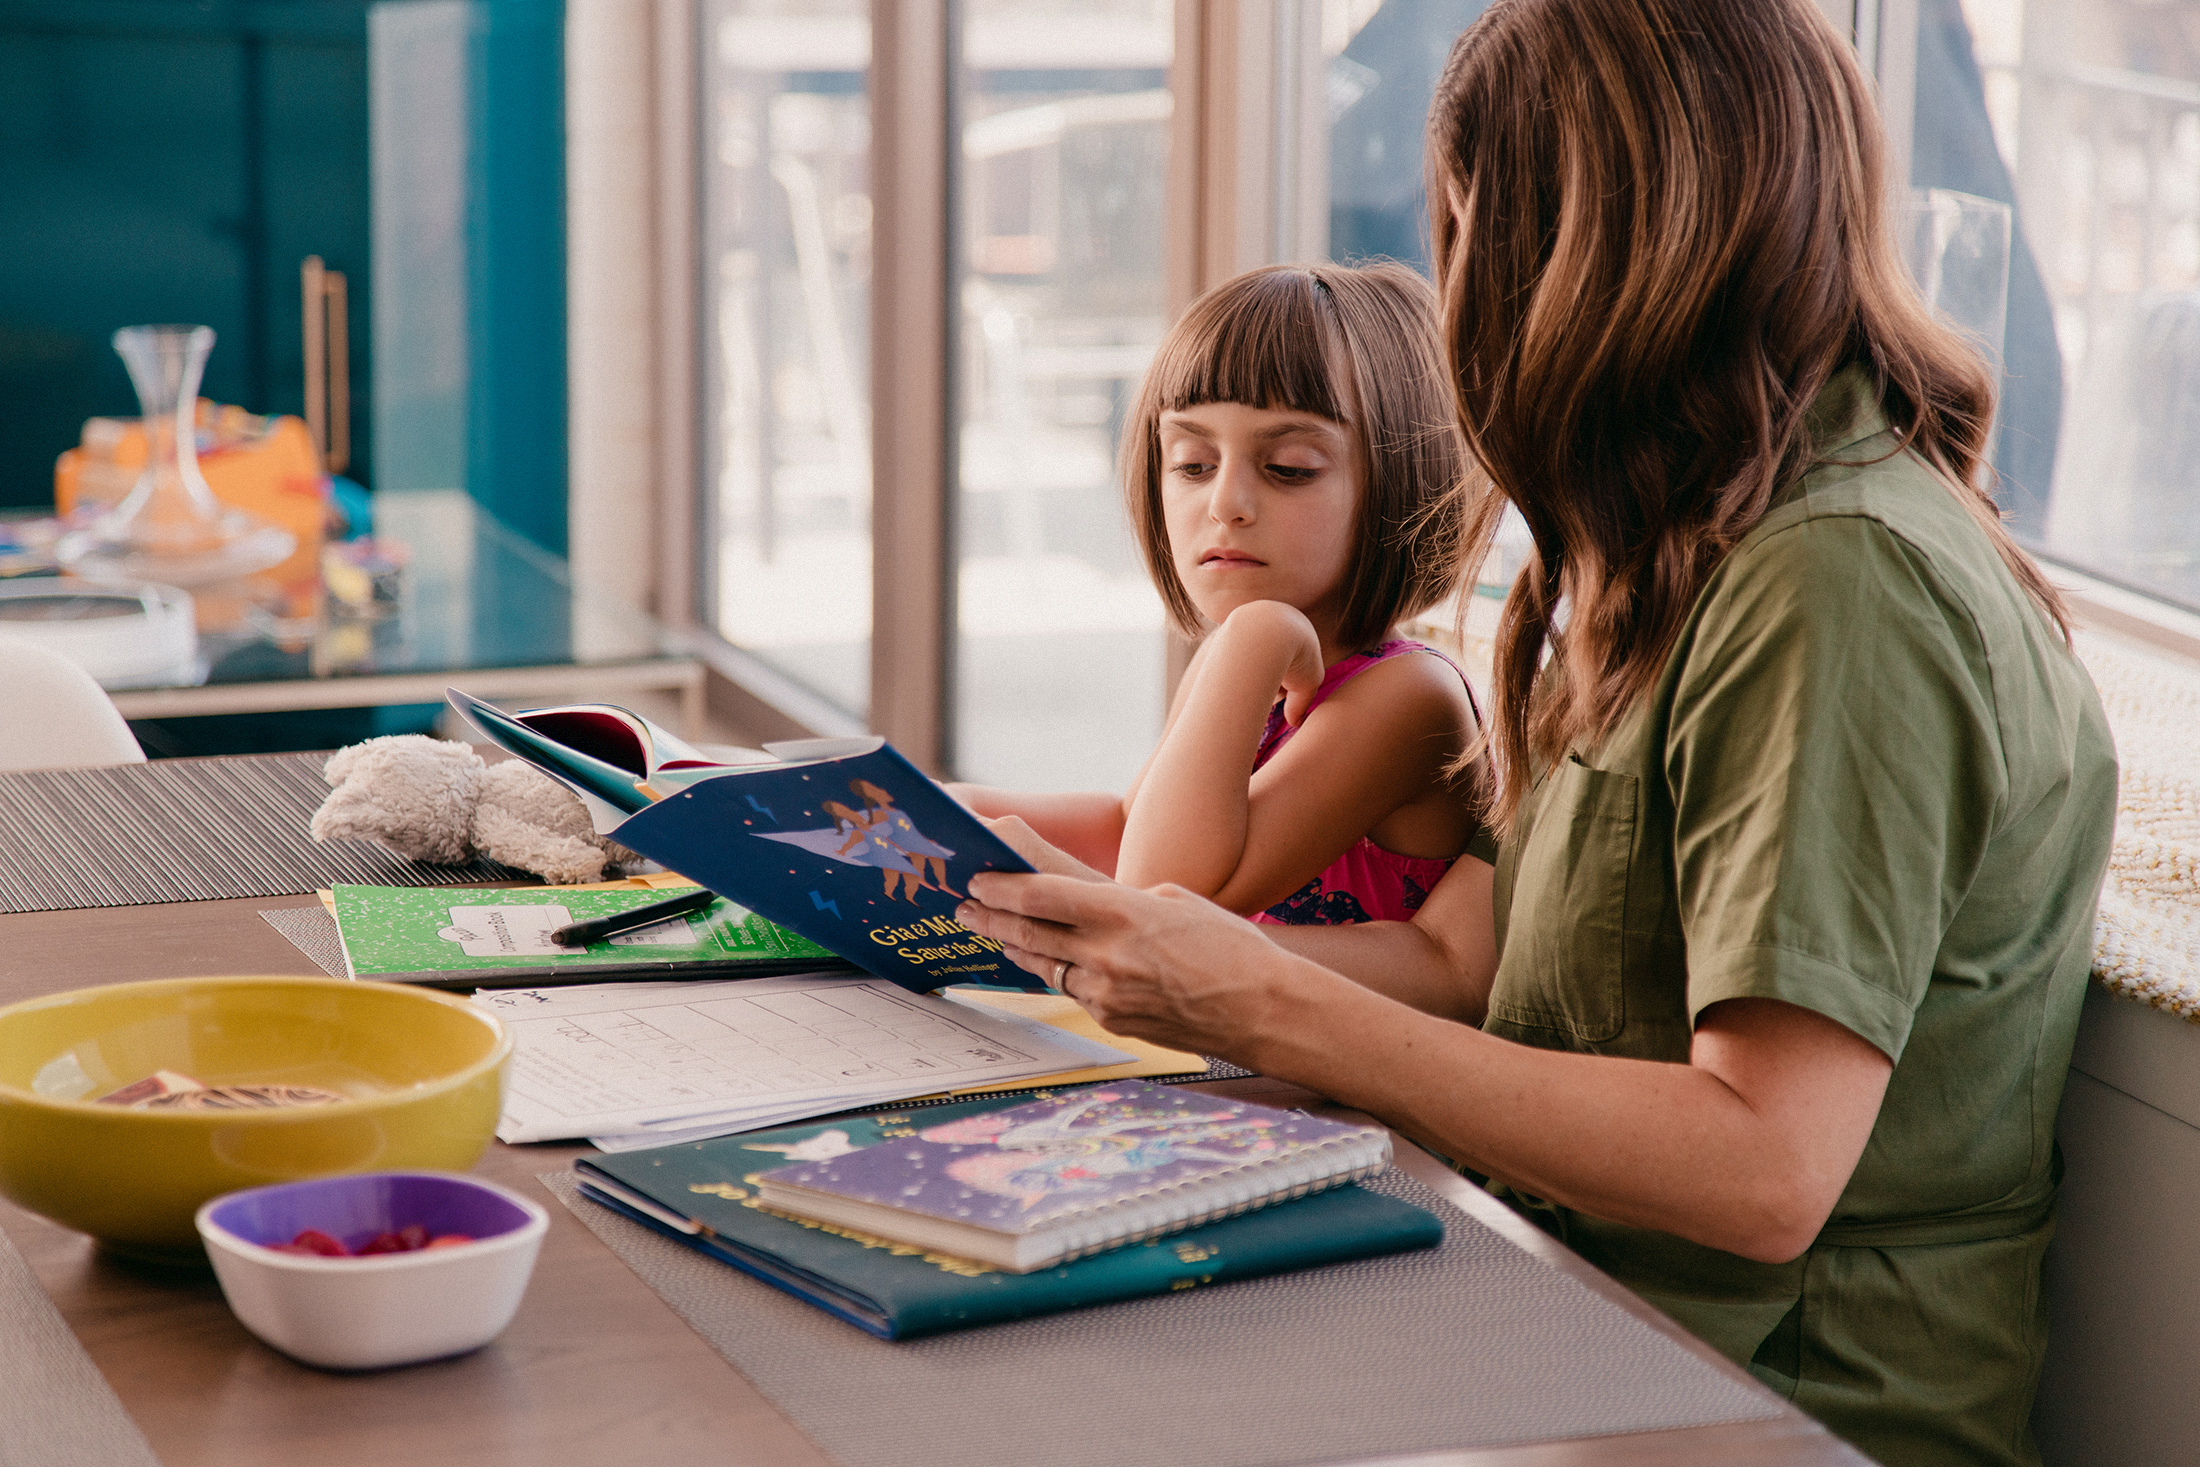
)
(170, 528)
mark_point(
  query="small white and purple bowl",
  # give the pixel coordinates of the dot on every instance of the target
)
(386, 1308)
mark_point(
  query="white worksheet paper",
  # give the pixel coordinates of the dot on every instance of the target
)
(703, 1128)
(666, 1060)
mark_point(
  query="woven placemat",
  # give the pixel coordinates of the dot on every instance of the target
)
(56, 1409)
(185, 830)
(312, 931)
(1474, 1343)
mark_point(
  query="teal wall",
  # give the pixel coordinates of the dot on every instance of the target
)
(174, 160)
(469, 229)
(171, 161)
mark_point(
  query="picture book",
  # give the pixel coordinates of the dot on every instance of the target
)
(467, 938)
(841, 840)
(1078, 1172)
(704, 1195)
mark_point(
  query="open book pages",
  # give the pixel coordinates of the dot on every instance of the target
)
(617, 761)
(646, 1064)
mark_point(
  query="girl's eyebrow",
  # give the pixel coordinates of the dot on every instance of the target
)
(1294, 428)
(1298, 428)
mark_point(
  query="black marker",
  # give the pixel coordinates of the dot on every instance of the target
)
(581, 934)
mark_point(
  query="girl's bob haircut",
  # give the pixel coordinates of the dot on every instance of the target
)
(1358, 346)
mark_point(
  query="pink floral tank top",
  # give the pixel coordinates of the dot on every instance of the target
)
(1366, 883)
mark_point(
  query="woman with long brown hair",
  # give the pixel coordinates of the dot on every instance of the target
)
(1801, 801)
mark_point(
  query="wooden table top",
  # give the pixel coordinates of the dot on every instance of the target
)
(595, 1368)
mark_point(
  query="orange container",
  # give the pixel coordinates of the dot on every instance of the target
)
(265, 465)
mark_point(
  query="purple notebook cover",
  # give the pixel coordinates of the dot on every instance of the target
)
(1021, 1169)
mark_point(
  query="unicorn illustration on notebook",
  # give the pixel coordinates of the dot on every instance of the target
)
(1091, 1141)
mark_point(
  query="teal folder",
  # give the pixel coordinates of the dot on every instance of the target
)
(702, 1195)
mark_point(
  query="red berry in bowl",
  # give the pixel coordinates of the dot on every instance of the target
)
(313, 1240)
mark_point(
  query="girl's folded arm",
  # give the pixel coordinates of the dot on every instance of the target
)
(1249, 839)
(1086, 824)
(1186, 822)
(1380, 742)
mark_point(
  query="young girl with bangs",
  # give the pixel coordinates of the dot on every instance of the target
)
(1294, 477)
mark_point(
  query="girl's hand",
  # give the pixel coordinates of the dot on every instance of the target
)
(1278, 635)
(1087, 825)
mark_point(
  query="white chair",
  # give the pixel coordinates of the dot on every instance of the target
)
(53, 716)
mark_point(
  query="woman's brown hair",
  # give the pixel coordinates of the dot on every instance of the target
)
(1659, 229)
(1355, 345)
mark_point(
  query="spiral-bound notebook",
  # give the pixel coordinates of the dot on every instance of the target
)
(1076, 1173)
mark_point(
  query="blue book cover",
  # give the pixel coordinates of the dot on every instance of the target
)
(703, 1194)
(842, 840)
(1079, 1172)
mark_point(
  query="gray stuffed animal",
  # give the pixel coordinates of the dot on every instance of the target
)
(433, 800)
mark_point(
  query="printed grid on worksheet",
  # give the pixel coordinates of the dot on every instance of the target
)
(737, 1048)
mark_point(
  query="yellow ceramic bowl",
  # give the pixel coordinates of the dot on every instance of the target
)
(424, 1072)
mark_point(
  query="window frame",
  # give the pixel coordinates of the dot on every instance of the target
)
(1232, 205)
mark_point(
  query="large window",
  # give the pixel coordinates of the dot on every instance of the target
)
(2081, 118)
(2091, 108)
(1059, 176)
(1052, 672)
(1065, 137)
(786, 220)
(1381, 64)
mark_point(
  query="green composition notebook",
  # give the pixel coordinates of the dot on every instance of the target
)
(703, 1194)
(468, 938)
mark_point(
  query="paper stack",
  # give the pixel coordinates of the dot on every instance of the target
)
(630, 1065)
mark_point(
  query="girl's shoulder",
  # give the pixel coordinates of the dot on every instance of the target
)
(1401, 679)
(1401, 662)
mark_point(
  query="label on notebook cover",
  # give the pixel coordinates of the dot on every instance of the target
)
(862, 854)
(703, 1194)
(1036, 1165)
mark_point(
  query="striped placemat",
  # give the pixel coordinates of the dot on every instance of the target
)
(186, 830)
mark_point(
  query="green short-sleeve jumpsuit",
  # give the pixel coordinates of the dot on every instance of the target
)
(1871, 781)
